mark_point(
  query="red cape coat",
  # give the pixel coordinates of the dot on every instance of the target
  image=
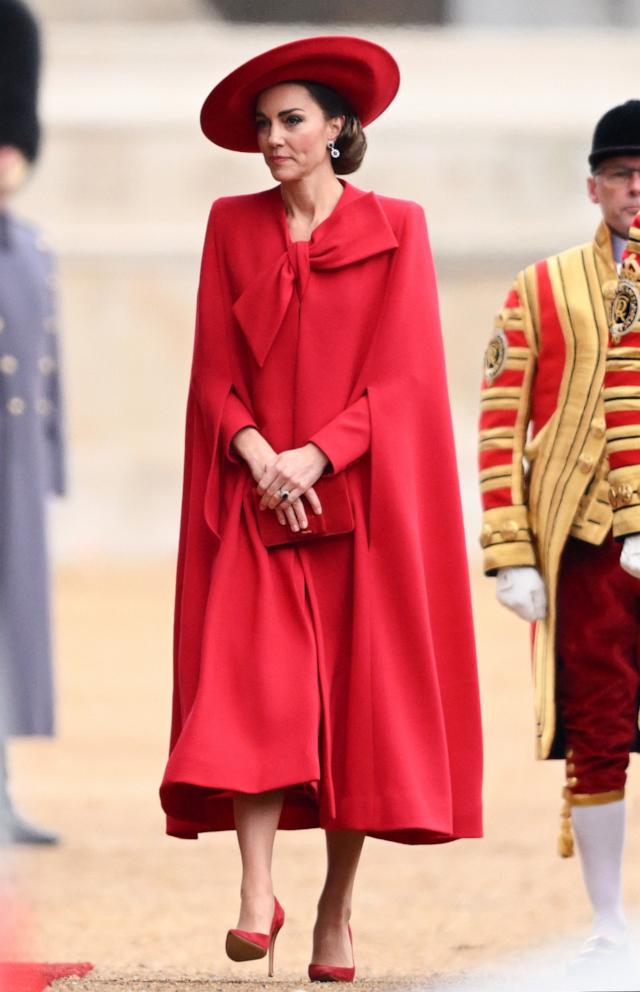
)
(342, 670)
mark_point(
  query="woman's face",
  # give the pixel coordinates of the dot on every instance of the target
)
(293, 132)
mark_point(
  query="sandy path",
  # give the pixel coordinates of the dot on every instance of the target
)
(136, 903)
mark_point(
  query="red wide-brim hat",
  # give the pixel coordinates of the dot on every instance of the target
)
(363, 73)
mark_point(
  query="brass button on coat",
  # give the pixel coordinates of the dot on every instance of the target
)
(16, 406)
(46, 364)
(586, 463)
(621, 496)
(509, 530)
(598, 427)
(8, 364)
(486, 535)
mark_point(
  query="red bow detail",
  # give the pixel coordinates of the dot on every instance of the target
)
(350, 234)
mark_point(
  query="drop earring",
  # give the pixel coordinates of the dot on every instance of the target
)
(334, 152)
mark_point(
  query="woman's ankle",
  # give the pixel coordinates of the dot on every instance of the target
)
(256, 891)
(333, 913)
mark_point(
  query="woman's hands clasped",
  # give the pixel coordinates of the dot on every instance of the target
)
(291, 475)
(283, 479)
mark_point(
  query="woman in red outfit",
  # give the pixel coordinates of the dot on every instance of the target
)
(327, 679)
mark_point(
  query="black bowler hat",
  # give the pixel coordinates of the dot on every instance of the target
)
(19, 72)
(617, 133)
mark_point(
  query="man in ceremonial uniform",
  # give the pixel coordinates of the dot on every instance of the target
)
(31, 443)
(547, 528)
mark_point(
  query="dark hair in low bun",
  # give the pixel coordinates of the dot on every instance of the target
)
(351, 142)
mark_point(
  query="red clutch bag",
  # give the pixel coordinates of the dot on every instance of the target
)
(336, 517)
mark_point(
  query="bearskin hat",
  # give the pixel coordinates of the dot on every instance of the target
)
(19, 72)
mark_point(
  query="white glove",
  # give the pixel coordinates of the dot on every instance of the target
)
(630, 555)
(521, 589)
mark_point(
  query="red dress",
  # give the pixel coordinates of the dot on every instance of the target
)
(342, 670)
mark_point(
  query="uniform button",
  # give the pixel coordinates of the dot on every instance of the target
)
(486, 535)
(598, 427)
(509, 530)
(621, 496)
(586, 463)
(46, 364)
(16, 406)
(8, 364)
(572, 782)
(571, 768)
(44, 406)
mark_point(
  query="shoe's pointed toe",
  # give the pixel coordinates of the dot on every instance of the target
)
(333, 973)
(329, 973)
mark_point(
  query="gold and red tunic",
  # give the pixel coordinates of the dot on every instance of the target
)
(542, 435)
(622, 392)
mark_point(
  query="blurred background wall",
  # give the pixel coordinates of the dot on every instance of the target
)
(490, 132)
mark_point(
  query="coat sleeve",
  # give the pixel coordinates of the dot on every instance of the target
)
(195, 553)
(347, 437)
(235, 416)
(622, 393)
(204, 467)
(509, 367)
(52, 397)
(418, 601)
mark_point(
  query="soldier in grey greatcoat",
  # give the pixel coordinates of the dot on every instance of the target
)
(31, 442)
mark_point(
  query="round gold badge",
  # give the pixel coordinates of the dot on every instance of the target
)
(625, 311)
(495, 356)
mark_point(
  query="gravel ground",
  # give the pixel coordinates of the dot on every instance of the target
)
(151, 912)
(204, 984)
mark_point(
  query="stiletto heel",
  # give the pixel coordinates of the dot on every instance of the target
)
(332, 973)
(243, 945)
(272, 950)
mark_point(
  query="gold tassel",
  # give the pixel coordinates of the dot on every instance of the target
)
(565, 839)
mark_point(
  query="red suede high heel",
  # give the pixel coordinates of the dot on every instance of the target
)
(331, 973)
(242, 945)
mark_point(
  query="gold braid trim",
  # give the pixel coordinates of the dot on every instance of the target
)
(568, 459)
(565, 839)
(566, 844)
(597, 799)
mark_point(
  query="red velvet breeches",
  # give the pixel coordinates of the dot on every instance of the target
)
(598, 676)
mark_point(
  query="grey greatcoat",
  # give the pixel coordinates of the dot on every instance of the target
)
(31, 466)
